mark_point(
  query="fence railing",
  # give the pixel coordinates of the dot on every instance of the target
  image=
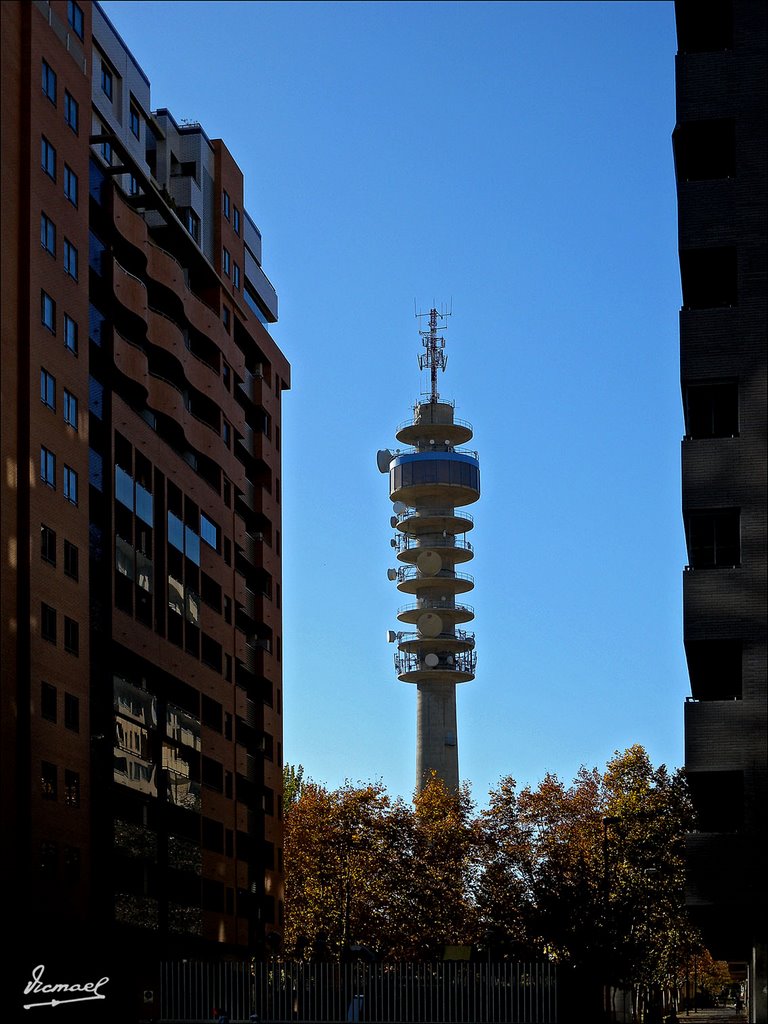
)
(385, 993)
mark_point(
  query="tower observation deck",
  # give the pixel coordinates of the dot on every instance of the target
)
(429, 484)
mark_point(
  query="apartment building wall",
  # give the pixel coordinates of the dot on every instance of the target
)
(140, 407)
(721, 145)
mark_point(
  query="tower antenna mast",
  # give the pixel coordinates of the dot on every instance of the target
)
(434, 358)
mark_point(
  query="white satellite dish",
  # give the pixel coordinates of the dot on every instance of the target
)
(383, 459)
(398, 507)
(431, 661)
(429, 563)
(391, 636)
(429, 624)
(391, 574)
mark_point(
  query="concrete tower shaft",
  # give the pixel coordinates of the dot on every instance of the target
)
(429, 484)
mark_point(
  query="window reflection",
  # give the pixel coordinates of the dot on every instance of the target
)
(124, 487)
(144, 504)
(144, 574)
(124, 558)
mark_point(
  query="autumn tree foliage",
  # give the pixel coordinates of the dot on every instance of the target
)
(588, 874)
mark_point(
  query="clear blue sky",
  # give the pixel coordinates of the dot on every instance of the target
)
(515, 159)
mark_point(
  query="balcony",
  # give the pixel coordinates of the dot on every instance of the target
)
(450, 549)
(411, 581)
(434, 520)
(451, 615)
(454, 667)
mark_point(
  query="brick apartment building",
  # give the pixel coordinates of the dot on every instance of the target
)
(140, 407)
(721, 150)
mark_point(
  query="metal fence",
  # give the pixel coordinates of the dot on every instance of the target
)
(385, 993)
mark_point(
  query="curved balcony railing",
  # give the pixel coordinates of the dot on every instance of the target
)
(455, 422)
(405, 542)
(458, 636)
(412, 513)
(460, 662)
(435, 606)
(412, 573)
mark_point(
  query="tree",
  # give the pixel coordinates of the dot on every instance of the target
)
(333, 861)
(293, 783)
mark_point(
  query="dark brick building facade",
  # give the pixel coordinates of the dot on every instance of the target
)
(721, 146)
(140, 526)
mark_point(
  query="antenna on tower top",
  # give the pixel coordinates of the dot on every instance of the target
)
(434, 358)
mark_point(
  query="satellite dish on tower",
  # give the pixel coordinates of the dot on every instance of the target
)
(391, 574)
(431, 661)
(383, 459)
(429, 563)
(393, 522)
(398, 507)
(429, 625)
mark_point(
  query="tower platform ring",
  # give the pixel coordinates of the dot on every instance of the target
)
(460, 584)
(416, 522)
(436, 675)
(453, 554)
(411, 613)
(454, 433)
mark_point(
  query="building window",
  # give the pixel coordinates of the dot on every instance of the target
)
(48, 158)
(71, 863)
(71, 788)
(236, 275)
(48, 703)
(71, 636)
(713, 538)
(226, 373)
(47, 544)
(133, 185)
(704, 29)
(47, 466)
(226, 318)
(47, 234)
(49, 855)
(70, 185)
(709, 277)
(71, 560)
(712, 409)
(71, 712)
(70, 259)
(225, 197)
(135, 121)
(70, 485)
(209, 532)
(193, 224)
(106, 151)
(47, 389)
(70, 333)
(107, 81)
(48, 312)
(236, 220)
(49, 82)
(75, 18)
(49, 781)
(48, 623)
(705, 150)
(715, 669)
(225, 261)
(70, 409)
(71, 112)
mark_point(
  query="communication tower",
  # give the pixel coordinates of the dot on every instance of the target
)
(430, 483)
